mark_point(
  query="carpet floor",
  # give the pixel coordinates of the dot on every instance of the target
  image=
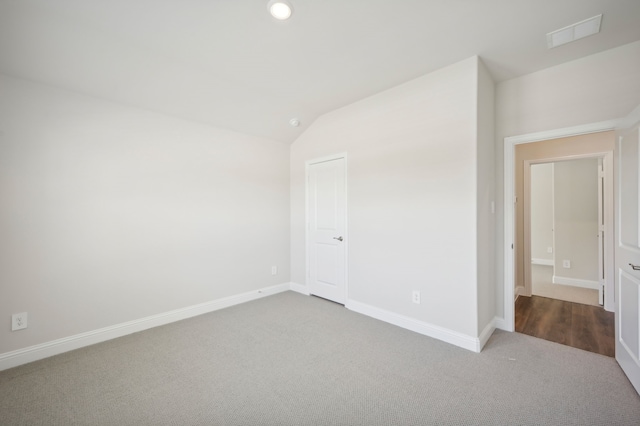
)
(290, 359)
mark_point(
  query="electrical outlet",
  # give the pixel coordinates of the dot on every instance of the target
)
(566, 264)
(549, 249)
(18, 321)
(274, 270)
(416, 297)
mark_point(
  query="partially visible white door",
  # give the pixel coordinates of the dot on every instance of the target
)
(601, 225)
(627, 314)
(326, 241)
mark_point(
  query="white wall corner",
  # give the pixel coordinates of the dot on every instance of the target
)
(630, 120)
(520, 291)
(486, 334)
(575, 282)
(58, 346)
(449, 336)
(299, 288)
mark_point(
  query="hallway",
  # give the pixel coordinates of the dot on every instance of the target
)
(542, 285)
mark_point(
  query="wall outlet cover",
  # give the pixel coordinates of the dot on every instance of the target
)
(566, 264)
(19, 321)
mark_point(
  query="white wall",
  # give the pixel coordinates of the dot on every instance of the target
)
(412, 190)
(111, 213)
(485, 197)
(542, 211)
(576, 218)
(596, 88)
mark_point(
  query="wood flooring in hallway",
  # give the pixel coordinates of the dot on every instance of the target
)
(581, 326)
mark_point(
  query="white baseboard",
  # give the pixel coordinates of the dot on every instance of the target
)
(486, 334)
(431, 330)
(55, 347)
(575, 282)
(299, 288)
(545, 262)
(520, 291)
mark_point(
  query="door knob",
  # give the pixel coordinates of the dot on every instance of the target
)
(338, 238)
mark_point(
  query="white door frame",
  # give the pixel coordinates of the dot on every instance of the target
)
(607, 157)
(308, 164)
(509, 201)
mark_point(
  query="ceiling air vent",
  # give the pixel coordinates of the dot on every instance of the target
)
(574, 32)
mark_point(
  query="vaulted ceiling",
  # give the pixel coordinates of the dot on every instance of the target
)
(228, 63)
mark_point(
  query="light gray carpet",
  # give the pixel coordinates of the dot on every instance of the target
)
(290, 359)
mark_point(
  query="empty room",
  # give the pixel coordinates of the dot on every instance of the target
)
(298, 212)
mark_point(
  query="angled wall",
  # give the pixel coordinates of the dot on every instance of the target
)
(111, 214)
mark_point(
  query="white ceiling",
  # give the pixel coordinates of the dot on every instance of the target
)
(230, 64)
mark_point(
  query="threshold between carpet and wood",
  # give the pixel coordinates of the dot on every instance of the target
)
(290, 359)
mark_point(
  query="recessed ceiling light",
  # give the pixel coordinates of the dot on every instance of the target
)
(294, 122)
(280, 9)
(574, 32)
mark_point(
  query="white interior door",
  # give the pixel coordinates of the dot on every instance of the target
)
(627, 314)
(326, 241)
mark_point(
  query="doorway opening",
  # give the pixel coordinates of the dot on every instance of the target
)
(564, 253)
(513, 264)
(564, 229)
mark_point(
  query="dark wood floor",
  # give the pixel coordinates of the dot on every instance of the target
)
(582, 326)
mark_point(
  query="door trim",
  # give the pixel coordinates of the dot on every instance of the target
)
(510, 143)
(629, 121)
(307, 245)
